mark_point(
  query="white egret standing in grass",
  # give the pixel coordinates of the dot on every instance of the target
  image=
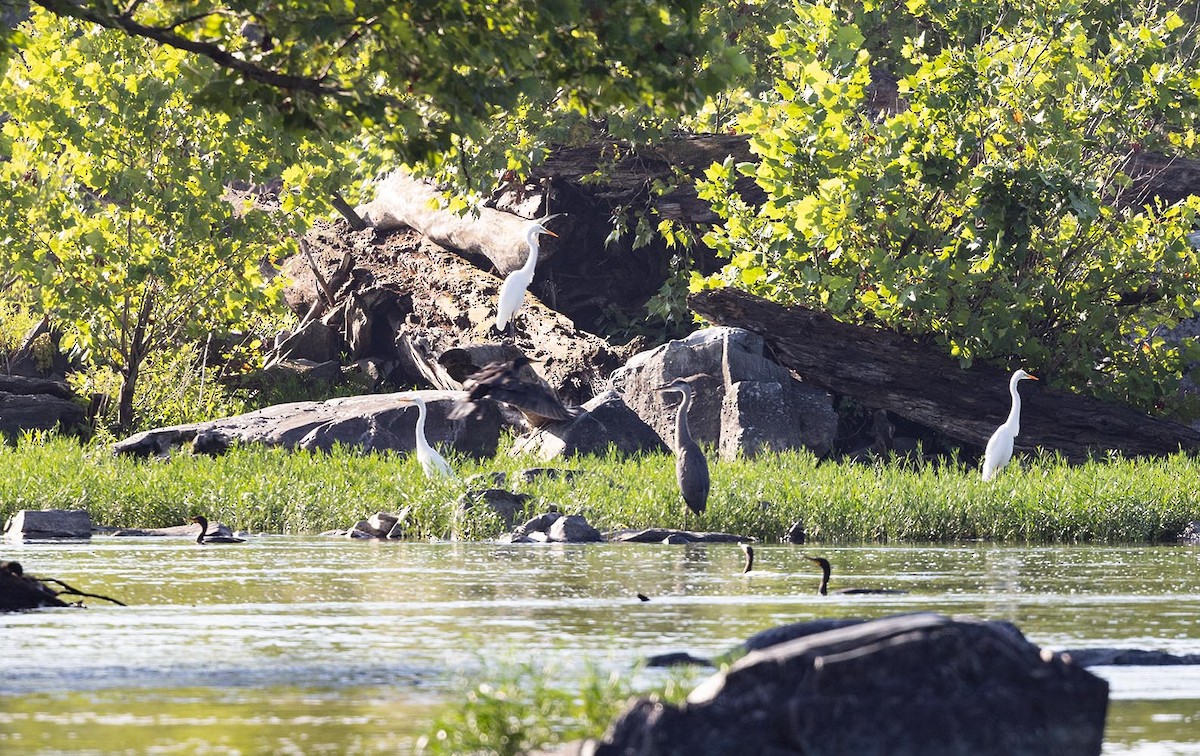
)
(512, 291)
(691, 468)
(434, 464)
(1000, 446)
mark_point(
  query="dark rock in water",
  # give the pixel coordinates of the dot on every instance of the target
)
(796, 533)
(504, 503)
(660, 535)
(1191, 533)
(906, 685)
(553, 527)
(773, 636)
(539, 524)
(574, 529)
(19, 591)
(48, 523)
(677, 659)
(1127, 657)
(378, 525)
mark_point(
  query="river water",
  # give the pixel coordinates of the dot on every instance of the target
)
(308, 645)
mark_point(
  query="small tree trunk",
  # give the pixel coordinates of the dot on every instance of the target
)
(129, 378)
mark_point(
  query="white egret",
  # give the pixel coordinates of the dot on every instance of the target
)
(512, 291)
(434, 464)
(1000, 446)
(691, 468)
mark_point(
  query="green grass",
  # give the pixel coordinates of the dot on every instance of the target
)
(518, 708)
(1041, 500)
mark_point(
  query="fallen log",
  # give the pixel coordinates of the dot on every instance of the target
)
(404, 201)
(887, 370)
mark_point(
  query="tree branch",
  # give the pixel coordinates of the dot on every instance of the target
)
(213, 52)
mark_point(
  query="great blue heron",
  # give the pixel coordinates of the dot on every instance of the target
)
(206, 537)
(1000, 446)
(506, 382)
(434, 464)
(512, 291)
(691, 468)
(823, 589)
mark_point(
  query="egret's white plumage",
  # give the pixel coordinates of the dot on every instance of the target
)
(512, 291)
(1000, 446)
(434, 464)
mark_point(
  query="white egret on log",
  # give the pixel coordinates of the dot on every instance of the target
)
(512, 291)
(1000, 446)
(434, 464)
(691, 468)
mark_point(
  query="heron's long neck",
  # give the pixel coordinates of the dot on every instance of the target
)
(421, 424)
(824, 588)
(1014, 414)
(682, 434)
(531, 261)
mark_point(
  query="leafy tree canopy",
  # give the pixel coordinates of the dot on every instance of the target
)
(118, 221)
(422, 75)
(992, 208)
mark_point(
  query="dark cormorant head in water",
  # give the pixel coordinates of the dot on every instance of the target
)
(204, 537)
(823, 589)
(823, 563)
(748, 550)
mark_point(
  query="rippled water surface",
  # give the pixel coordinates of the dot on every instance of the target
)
(309, 645)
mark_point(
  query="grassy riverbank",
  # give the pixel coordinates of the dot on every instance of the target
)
(1042, 500)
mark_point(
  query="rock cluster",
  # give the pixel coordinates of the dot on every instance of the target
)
(748, 404)
(908, 684)
(745, 403)
(38, 404)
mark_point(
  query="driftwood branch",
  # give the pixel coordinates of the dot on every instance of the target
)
(491, 235)
(887, 370)
(322, 284)
(70, 591)
(352, 217)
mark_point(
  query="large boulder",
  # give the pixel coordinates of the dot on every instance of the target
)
(606, 424)
(37, 404)
(371, 422)
(743, 403)
(48, 523)
(315, 341)
(910, 684)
